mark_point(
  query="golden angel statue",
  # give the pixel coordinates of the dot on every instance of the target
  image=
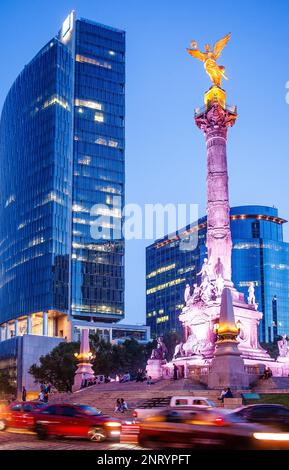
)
(216, 72)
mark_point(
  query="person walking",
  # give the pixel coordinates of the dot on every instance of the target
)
(24, 393)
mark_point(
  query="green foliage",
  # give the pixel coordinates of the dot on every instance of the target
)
(171, 339)
(58, 367)
(6, 387)
(118, 358)
(272, 348)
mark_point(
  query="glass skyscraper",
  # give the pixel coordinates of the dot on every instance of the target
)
(62, 184)
(259, 255)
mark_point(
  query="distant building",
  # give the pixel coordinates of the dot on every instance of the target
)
(259, 255)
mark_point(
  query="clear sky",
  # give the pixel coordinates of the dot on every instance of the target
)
(165, 152)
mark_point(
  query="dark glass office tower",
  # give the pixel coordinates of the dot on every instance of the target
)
(62, 185)
(98, 173)
(259, 255)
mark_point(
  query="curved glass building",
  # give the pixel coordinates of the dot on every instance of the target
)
(62, 187)
(259, 255)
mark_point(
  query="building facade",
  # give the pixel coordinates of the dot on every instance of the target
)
(259, 255)
(62, 179)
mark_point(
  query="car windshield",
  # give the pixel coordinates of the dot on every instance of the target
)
(40, 405)
(89, 410)
(211, 403)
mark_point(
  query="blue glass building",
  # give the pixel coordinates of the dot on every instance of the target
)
(62, 184)
(259, 255)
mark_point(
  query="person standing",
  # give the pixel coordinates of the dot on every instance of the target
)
(24, 393)
(176, 375)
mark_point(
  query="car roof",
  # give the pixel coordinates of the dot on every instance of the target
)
(187, 397)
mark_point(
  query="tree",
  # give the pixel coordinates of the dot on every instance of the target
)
(272, 348)
(58, 367)
(128, 356)
(171, 339)
(6, 387)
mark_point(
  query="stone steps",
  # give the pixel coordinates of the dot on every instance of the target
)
(104, 396)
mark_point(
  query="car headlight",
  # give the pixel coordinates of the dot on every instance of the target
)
(271, 436)
(113, 424)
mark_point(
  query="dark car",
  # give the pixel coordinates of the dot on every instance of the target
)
(272, 415)
(76, 421)
(205, 429)
(20, 415)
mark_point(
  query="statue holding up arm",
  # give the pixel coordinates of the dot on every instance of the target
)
(209, 57)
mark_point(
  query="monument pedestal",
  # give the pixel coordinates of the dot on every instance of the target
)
(227, 367)
(84, 372)
(84, 368)
(154, 368)
(227, 370)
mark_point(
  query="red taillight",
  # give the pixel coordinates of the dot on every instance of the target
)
(219, 421)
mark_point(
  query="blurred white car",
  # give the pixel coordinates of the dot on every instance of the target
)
(155, 406)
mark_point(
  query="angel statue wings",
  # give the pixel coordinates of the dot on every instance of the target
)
(216, 72)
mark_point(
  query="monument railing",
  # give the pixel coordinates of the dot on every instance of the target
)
(201, 110)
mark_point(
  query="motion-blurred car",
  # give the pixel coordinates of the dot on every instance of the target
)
(273, 415)
(155, 406)
(76, 421)
(20, 415)
(207, 429)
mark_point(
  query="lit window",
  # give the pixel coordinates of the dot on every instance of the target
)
(165, 285)
(52, 196)
(88, 104)
(56, 100)
(163, 269)
(84, 161)
(88, 60)
(101, 141)
(98, 117)
(112, 143)
(79, 208)
(162, 319)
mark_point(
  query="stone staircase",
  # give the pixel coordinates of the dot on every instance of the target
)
(104, 396)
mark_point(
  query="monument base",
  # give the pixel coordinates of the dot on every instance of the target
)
(84, 372)
(154, 368)
(228, 371)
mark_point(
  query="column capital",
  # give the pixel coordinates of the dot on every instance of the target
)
(215, 120)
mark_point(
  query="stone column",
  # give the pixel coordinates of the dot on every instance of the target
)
(29, 325)
(16, 327)
(45, 324)
(214, 123)
(84, 366)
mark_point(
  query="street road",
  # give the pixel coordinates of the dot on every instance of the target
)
(18, 440)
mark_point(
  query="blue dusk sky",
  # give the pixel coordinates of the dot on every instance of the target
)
(165, 152)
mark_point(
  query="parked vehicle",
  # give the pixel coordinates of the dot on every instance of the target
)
(206, 429)
(155, 405)
(20, 414)
(273, 415)
(76, 421)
